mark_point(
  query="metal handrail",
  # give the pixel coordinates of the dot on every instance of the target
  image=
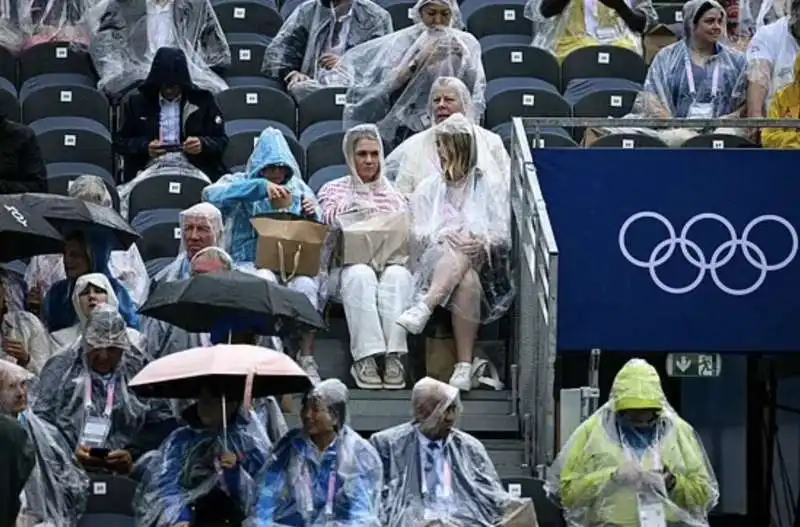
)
(612, 122)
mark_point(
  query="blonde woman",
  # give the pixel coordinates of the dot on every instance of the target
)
(460, 229)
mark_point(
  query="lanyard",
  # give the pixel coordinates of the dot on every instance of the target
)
(690, 78)
(109, 396)
(331, 492)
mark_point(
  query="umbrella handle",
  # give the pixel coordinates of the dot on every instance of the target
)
(224, 424)
(248, 391)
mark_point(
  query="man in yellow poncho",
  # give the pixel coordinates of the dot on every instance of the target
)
(634, 462)
(785, 105)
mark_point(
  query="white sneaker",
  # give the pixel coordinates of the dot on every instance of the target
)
(394, 375)
(309, 365)
(462, 376)
(415, 318)
(365, 374)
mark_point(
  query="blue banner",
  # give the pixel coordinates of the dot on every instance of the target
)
(675, 249)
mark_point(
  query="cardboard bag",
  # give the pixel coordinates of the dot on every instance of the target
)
(523, 515)
(657, 38)
(377, 241)
(289, 247)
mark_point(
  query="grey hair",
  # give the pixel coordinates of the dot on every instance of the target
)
(213, 253)
(426, 390)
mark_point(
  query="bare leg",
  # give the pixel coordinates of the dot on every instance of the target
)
(307, 339)
(448, 272)
(466, 315)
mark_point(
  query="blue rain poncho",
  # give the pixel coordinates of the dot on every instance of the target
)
(244, 195)
(69, 391)
(58, 311)
(336, 488)
(185, 470)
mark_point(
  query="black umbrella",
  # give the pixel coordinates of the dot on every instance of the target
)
(74, 214)
(197, 303)
(23, 233)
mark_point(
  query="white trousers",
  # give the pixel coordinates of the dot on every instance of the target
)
(306, 285)
(372, 305)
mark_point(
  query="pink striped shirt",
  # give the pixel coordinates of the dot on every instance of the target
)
(347, 194)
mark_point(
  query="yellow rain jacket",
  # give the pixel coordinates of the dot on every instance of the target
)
(595, 452)
(785, 105)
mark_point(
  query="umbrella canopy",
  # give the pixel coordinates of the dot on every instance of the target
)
(197, 303)
(74, 214)
(223, 370)
(24, 233)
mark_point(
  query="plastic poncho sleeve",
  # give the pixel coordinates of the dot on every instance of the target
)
(226, 197)
(169, 477)
(693, 485)
(578, 486)
(273, 483)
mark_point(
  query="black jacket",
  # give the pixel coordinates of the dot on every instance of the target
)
(200, 117)
(21, 165)
(17, 460)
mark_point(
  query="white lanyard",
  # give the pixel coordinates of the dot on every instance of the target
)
(330, 495)
(690, 78)
(109, 396)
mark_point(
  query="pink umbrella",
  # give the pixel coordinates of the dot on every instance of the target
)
(225, 370)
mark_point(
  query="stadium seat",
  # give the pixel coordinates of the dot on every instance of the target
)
(326, 104)
(501, 60)
(628, 141)
(400, 11)
(601, 97)
(548, 513)
(63, 95)
(324, 175)
(247, 54)
(54, 57)
(288, 7)
(61, 175)
(248, 16)
(258, 103)
(110, 501)
(8, 66)
(154, 266)
(603, 62)
(160, 233)
(493, 17)
(74, 140)
(545, 138)
(323, 145)
(254, 82)
(165, 192)
(670, 14)
(242, 136)
(9, 103)
(522, 97)
(717, 142)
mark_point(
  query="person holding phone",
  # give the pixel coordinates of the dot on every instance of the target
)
(170, 114)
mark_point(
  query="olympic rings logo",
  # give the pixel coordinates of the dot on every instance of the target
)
(692, 252)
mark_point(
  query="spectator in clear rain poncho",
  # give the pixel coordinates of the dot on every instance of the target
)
(563, 26)
(10, 33)
(201, 227)
(460, 234)
(126, 266)
(90, 291)
(634, 462)
(434, 473)
(755, 14)
(83, 392)
(55, 495)
(84, 252)
(389, 79)
(54, 21)
(271, 183)
(23, 338)
(128, 33)
(770, 60)
(416, 158)
(323, 473)
(373, 297)
(306, 51)
(203, 474)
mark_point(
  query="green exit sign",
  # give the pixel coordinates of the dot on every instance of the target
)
(694, 364)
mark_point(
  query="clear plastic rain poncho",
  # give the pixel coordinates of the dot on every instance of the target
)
(171, 164)
(460, 230)
(434, 472)
(416, 158)
(201, 226)
(188, 476)
(70, 336)
(28, 330)
(72, 393)
(12, 286)
(676, 87)
(54, 21)
(126, 266)
(55, 494)
(634, 462)
(337, 487)
(585, 23)
(390, 78)
(754, 14)
(314, 29)
(127, 34)
(10, 32)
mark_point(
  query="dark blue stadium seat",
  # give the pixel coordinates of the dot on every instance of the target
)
(165, 191)
(9, 102)
(323, 145)
(717, 142)
(546, 138)
(522, 97)
(326, 174)
(326, 104)
(601, 97)
(603, 62)
(253, 82)
(242, 136)
(501, 60)
(160, 233)
(248, 16)
(110, 501)
(628, 141)
(74, 140)
(54, 57)
(63, 95)
(400, 11)
(258, 103)
(8, 66)
(247, 54)
(495, 17)
(61, 175)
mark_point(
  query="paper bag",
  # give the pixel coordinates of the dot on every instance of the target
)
(377, 241)
(440, 357)
(523, 515)
(657, 38)
(289, 247)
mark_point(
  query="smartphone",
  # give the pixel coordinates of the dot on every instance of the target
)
(99, 453)
(172, 147)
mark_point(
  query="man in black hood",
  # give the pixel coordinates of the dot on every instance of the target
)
(169, 113)
(21, 166)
